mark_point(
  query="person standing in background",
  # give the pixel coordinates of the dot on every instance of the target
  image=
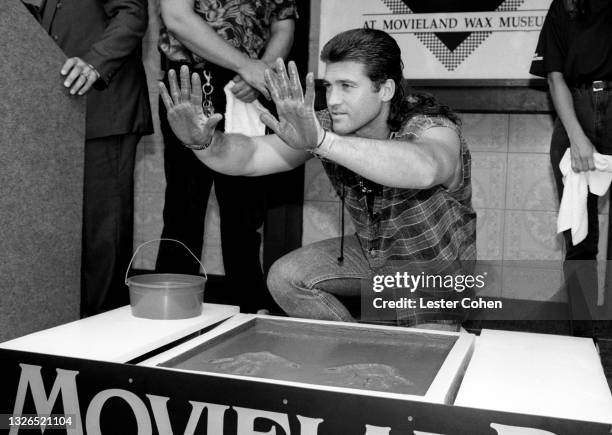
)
(576, 49)
(221, 40)
(102, 39)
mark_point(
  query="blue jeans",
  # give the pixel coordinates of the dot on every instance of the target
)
(594, 113)
(306, 282)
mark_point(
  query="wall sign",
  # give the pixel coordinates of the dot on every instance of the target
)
(448, 39)
(108, 398)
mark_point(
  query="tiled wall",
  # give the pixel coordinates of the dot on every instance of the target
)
(516, 201)
(514, 197)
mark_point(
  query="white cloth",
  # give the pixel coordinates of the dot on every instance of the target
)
(241, 117)
(573, 209)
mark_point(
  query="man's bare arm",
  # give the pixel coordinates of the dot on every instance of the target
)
(237, 154)
(433, 159)
(201, 39)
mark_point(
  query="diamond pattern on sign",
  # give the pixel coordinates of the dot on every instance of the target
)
(510, 5)
(451, 58)
(397, 6)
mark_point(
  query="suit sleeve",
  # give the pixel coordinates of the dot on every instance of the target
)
(126, 25)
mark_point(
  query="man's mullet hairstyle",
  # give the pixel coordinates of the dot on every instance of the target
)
(381, 57)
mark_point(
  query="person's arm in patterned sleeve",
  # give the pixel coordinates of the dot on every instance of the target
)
(200, 38)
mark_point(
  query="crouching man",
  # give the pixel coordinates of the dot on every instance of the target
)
(398, 162)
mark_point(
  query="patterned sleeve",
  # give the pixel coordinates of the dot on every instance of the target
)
(418, 124)
(285, 9)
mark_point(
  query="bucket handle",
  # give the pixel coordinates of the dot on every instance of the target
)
(159, 240)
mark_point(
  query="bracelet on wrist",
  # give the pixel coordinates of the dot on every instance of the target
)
(323, 148)
(199, 147)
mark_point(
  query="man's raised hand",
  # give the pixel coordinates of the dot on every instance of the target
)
(184, 106)
(297, 124)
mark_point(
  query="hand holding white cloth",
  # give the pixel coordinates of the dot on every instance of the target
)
(241, 117)
(573, 209)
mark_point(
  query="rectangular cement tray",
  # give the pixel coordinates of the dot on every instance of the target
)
(365, 359)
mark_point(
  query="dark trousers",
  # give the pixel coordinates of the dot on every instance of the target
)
(241, 209)
(108, 216)
(594, 112)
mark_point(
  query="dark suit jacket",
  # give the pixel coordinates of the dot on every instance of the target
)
(108, 35)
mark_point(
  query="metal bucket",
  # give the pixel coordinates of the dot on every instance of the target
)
(166, 295)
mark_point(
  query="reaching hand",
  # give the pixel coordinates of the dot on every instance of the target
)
(185, 113)
(297, 125)
(80, 75)
(581, 151)
(243, 91)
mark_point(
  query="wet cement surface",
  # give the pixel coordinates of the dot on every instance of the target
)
(391, 360)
